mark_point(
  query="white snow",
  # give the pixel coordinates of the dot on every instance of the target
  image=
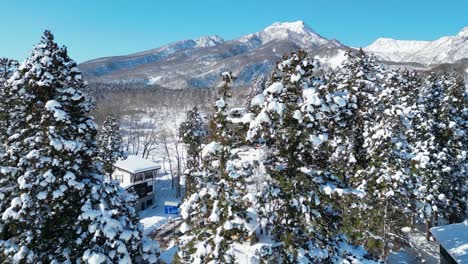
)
(154, 80)
(454, 239)
(220, 103)
(311, 97)
(296, 31)
(96, 258)
(54, 106)
(333, 61)
(136, 164)
(446, 49)
(339, 101)
(155, 217)
(211, 148)
(259, 99)
(276, 87)
(318, 139)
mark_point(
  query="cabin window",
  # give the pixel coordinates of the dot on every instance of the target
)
(140, 190)
(138, 177)
(149, 202)
(119, 177)
(148, 175)
(149, 188)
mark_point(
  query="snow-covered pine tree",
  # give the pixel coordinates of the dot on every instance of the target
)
(340, 122)
(256, 88)
(110, 144)
(193, 134)
(7, 67)
(61, 211)
(387, 177)
(455, 142)
(215, 214)
(296, 204)
(439, 148)
(8, 183)
(409, 92)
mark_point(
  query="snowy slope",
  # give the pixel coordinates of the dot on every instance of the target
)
(107, 65)
(297, 32)
(198, 63)
(447, 49)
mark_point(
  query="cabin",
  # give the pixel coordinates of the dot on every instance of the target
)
(138, 175)
(453, 242)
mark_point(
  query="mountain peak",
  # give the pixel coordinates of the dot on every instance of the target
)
(298, 32)
(209, 41)
(296, 26)
(463, 32)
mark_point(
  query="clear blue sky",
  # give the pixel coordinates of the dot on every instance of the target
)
(97, 28)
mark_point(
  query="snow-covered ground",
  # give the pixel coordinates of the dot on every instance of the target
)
(155, 216)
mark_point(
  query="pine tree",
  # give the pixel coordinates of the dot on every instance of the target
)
(298, 203)
(60, 210)
(455, 142)
(7, 67)
(110, 144)
(438, 146)
(215, 216)
(8, 183)
(258, 84)
(192, 133)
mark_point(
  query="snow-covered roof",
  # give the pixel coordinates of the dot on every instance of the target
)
(454, 239)
(136, 164)
(167, 203)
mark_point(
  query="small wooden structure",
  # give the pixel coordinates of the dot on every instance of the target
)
(453, 242)
(137, 174)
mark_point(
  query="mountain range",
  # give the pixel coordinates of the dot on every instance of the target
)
(447, 49)
(197, 63)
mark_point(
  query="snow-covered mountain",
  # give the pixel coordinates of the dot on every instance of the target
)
(103, 66)
(297, 32)
(198, 63)
(447, 49)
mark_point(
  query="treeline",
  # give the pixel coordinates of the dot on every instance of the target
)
(349, 156)
(123, 98)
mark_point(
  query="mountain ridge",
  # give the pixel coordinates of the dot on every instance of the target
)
(197, 63)
(446, 49)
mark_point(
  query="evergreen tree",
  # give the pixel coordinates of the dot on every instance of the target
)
(8, 183)
(60, 210)
(258, 84)
(110, 144)
(192, 133)
(298, 204)
(7, 67)
(439, 144)
(215, 216)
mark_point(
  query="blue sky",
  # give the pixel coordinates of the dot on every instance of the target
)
(97, 28)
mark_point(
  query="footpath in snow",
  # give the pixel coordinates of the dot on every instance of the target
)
(156, 222)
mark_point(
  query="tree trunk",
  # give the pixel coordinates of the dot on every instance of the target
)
(428, 232)
(170, 164)
(384, 249)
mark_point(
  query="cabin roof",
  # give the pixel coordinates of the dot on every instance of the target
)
(136, 164)
(168, 203)
(454, 239)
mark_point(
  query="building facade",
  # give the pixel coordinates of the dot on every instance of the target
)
(138, 176)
